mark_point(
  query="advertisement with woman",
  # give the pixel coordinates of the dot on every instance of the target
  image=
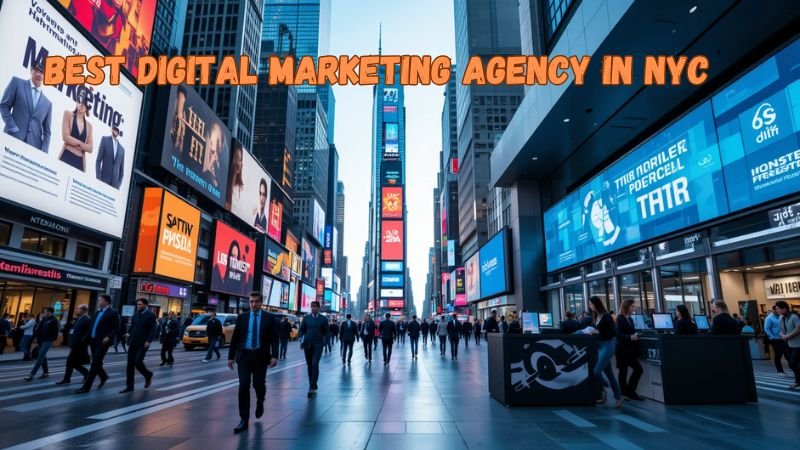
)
(66, 150)
(234, 262)
(248, 189)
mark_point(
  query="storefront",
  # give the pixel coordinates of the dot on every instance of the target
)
(503, 305)
(165, 297)
(706, 208)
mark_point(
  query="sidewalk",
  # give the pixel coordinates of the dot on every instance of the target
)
(61, 352)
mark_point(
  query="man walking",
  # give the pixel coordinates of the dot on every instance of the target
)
(171, 333)
(312, 332)
(141, 334)
(388, 331)
(413, 335)
(454, 333)
(401, 331)
(104, 326)
(467, 330)
(425, 328)
(284, 331)
(78, 345)
(367, 332)
(790, 332)
(441, 331)
(46, 334)
(433, 329)
(253, 347)
(214, 333)
(347, 335)
(477, 331)
(772, 328)
(5, 331)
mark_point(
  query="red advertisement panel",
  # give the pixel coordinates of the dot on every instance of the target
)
(392, 240)
(392, 203)
(234, 262)
(275, 220)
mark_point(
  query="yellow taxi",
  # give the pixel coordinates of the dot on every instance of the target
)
(195, 334)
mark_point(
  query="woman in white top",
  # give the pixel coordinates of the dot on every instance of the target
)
(27, 338)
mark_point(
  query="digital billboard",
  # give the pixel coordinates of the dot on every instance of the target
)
(392, 203)
(391, 293)
(327, 275)
(319, 222)
(168, 236)
(307, 295)
(391, 240)
(292, 243)
(493, 261)
(451, 253)
(276, 295)
(391, 149)
(390, 113)
(390, 95)
(391, 280)
(61, 155)
(233, 261)
(266, 288)
(310, 255)
(277, 260)
(391, 173)
(121, 27)
(275, 221)
(196, 148)
(472, 279)
(446, 287)
(391, 266)
(294, 295)
(460, 288)
(248, 189)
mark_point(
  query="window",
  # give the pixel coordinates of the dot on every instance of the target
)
(5, 233)
(48, 244)
(87, 254)
(554, 13)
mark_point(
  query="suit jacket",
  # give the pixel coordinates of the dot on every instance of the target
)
(22, 120)
(467, 327)
(413, 329)
(570, 326)
(490, 325)
(625, 330)
(348, 333)
(724, 324)
(47, 330)
(454, 329)
(425, 327)
(109, 169)
(107, 326)
(370, 330)
(284, 329)
(388, 329)
(313, 330)
(267, 337)
(143, 328)
(80, 332)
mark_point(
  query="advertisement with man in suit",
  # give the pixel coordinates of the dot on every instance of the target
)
(110, 165)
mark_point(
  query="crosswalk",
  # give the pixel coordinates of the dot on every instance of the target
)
(772, 382)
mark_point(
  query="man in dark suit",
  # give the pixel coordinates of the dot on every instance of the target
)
(260, 222)
(413, 335)
(171, 335)
(254, 347)
(25, 110)
(388, 331)
(110, 165)
(101, 335)
(425, 328)
(367, 333)
(347, 335)
(78, 345)
(284, 331)
(401, 331)
(453, 334)
(312, 332)
(490, 325)
(466, 328)
(141, 334)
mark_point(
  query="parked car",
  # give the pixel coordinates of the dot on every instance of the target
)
(195, 334)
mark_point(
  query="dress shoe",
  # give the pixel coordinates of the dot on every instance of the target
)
(147, 381)
(82, 391)
(163, 363)
(126, 390)
(259, 410)
(63, 382)
(28, 378)
(102, 382)
(44, 375)
(241, 427)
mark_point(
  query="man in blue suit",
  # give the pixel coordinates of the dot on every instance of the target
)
(110, 165)
(25, 110)
(313, 331)
(101, 336)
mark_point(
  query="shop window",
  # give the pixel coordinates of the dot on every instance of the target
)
(573, 298)
(685, 283)
(638, 286)
(39, 242)
(87, 254)
(5, 233)
(604, 290)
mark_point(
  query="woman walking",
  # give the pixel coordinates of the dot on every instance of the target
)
(605, 331)
(628, 352)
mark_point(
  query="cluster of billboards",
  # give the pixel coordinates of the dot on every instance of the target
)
(80, 179)
(736, 150)
(487, 273)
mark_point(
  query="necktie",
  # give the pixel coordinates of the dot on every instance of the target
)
(99, 316)
(253, 331)
(35, 97)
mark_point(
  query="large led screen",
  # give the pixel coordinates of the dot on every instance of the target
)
(308, 295)
(391, 240)
(460, 288)
(392, 202)
(233, 262)
(248, 189)
(310, 255)
(196, 146)
(472, 278)
(493, 264)
(61, 154)
(277, 260)
(122, 27)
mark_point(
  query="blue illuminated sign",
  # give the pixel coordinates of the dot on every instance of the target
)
(391, 266)
(492, 263)
(737, 150)
(392, 280)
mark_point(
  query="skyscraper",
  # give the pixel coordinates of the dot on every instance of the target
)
(222, 28)
(168, 28)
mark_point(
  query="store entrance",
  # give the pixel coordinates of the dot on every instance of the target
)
(17, 298)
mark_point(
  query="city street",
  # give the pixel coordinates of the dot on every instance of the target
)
(431, 403)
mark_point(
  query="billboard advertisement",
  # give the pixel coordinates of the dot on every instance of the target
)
(307, 295)
(266, 287)
(327, 276)
(294, 294)
(277, 260)
(397, 303)
(391, 293)
(310, 255)
(493, 264)
(391, 280)
(248, 189)
(472, 280)
(319, 222)
(275, 221)
(234, 261)
(60, 151)
(451, 253)
(391, 95)
(168, 236)
(391, 266)
(291, 242)
(277, 294)
(446, 287)
(392, 203)
(390, 113)
(391, 150)
(391, 173)
(121, 27)
(196, 148)
(391, 240)
(460, 288)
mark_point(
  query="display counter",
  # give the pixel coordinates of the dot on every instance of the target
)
(541, 370)
(702, 369)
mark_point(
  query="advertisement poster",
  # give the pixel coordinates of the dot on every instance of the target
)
(310, 255)
(234, 262)
(446, 287)
(391, 147)
(168, 236)
(69, 151)
(327, 276)
(391, 240)
(276, 294)
(277, 260)
(472, 279)
(248, 189)
(292, 243)
(392, 173)
(308, 295)
(392, 203)
(492, 264)
(123, 27)
(461, 291)
(390, 113)
(266, 287)
(319, 222)
(390, 95)
(196, 146)
(451, 253)
(275, 222)
(294, 295)
(391, 280)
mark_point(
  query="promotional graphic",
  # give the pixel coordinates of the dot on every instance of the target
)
(275, 221)
(391, 240)
(67, 151)
(248, 189)
(472, 280)
(460, 287)
(277, 260)
(234, 261)
(493, 265)
(310, 255)
(392, 203)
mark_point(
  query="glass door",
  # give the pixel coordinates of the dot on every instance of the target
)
(638, 286)
(684, 283)
(604, 289)
(573, 296)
